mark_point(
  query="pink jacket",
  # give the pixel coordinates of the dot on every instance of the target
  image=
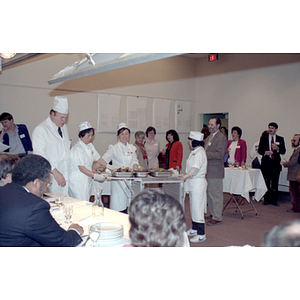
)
(240, 153)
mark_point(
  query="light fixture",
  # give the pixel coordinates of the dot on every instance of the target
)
(7, 55)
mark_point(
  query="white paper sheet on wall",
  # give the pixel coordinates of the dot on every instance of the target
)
(136, 113)
(108, 113)
(161, 115)
(183, 116)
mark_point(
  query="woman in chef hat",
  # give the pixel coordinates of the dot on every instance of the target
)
(82, 172)
(122, 154)
(196, 185)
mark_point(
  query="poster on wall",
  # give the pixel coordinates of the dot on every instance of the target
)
(136, 113)
(183, 116)
(108, 115)
(161, 115)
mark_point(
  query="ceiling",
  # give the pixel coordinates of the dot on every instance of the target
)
(98, 63)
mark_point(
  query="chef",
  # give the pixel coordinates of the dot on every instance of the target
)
(122, 154)
(84, 161)
(50, 139)
(196, 185)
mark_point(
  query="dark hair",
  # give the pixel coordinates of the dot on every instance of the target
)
(174, 133)
(150, 128)
(238, 130)
(82, 133)
(157, 220)
(29, 168)
(218, 120)
(5, 116)
(7, 163)
(285, 235)
(123, 129)
(197, 143)
(273, 124)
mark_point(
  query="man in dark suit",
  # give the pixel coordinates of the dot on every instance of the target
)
(270, 147)
(293, 168)
(25, 219)
(215, 147)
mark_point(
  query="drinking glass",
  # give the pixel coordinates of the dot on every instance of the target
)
(68, 212)
(94, 233)
(236, 164)
(59, 201)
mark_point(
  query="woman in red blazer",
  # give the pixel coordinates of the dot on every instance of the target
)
(174, 151)
(239, 150)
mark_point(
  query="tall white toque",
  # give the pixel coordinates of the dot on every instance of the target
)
(61, 105)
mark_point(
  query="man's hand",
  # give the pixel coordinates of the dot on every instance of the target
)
(268, 153)
(59, 177)
(77, 227)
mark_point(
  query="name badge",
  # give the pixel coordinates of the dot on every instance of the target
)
(238, 146)
(22, 136)
(277, 143)
(209, 144)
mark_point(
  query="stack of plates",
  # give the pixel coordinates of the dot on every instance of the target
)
(111, 231)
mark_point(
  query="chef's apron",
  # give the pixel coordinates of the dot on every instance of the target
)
(197, 194)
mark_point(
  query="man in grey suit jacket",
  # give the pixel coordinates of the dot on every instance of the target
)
(215, 146)
(293, 166)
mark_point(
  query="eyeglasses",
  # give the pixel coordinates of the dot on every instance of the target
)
(49, 184)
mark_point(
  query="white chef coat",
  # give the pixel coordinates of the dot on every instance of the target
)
(196, 186)
(81, 185)
(47, 142)
(121, 156)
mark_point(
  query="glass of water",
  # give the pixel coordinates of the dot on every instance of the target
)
(94, 233)
(68, 212)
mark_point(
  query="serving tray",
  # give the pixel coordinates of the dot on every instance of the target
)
(161, 174)
(141, 174)
(122, 174)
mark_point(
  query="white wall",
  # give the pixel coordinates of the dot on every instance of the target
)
(25, 93)
(255, 89)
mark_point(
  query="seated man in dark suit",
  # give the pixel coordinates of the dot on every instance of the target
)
(25, 219)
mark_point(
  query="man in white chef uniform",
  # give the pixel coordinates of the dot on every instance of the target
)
(50, 139)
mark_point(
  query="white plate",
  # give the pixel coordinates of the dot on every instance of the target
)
(110, 231)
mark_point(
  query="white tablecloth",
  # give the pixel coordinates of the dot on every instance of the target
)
(241, 182)
(82, 214)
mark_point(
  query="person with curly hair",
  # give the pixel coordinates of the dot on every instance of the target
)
(157, 220)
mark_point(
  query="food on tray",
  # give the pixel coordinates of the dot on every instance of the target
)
(159, 170)
(101, 170)
(124, 169)
(140, 169)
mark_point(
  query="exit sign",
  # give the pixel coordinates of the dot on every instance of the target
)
(213, 57)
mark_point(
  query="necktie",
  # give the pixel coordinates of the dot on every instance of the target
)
(272, 142)
(59, 131)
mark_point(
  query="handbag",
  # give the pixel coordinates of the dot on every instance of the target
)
(298, 176)
(255, 163)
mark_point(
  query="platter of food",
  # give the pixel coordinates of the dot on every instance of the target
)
(123, 172)
(140, 172)
(159, 172)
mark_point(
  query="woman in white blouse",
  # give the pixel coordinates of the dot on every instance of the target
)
(122, 154)
(152, 147)
(83, 155)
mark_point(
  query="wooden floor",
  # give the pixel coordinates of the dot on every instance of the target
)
(235, 231)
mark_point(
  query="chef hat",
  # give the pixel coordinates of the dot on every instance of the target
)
(61, 105)
(122, 125)
(85, 125)
(196, 135)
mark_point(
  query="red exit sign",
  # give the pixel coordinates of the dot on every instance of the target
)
(213, 57)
